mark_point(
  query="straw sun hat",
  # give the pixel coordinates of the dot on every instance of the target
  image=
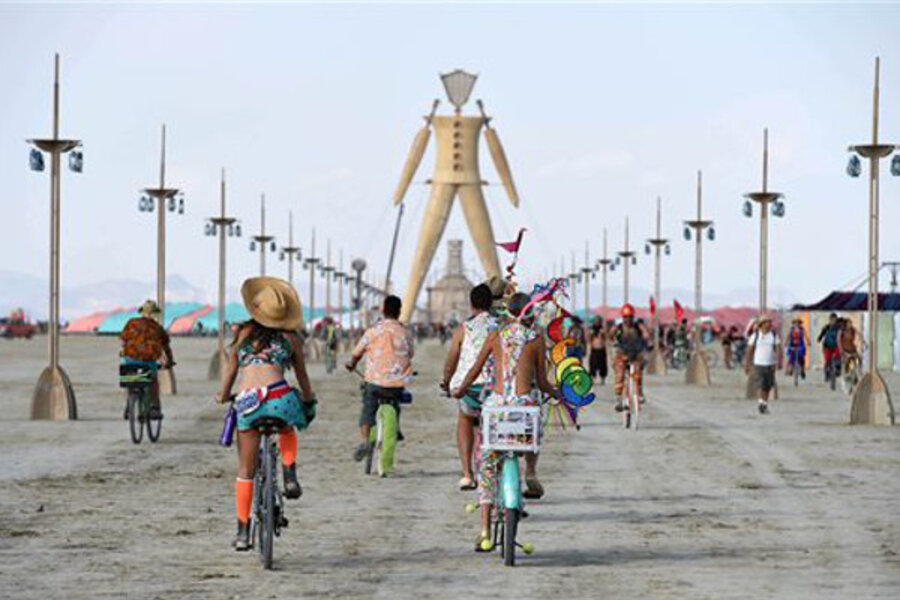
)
(149, 309)
(272, 302)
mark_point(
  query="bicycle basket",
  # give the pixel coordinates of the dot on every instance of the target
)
(134, 375)
(511, 428)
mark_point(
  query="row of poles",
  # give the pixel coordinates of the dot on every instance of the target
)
(871, 401)
(54, 398)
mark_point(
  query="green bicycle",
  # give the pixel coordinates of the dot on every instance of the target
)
(138, 378)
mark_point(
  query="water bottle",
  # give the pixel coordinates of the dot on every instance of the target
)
(228, 427)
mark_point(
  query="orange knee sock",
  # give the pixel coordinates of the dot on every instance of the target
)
(243, 489)
(287, 445)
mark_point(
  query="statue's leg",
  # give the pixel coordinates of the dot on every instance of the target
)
(433, 224)
(479, 222)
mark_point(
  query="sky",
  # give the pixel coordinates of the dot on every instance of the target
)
(601, 109)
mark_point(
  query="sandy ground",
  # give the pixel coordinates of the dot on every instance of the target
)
(707, 500)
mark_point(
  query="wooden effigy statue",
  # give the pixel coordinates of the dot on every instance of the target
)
(455, 173)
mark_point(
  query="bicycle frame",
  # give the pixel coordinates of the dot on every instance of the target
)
(510, 483)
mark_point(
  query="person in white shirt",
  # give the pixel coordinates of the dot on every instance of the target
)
(764, 355)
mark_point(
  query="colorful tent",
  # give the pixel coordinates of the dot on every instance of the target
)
(91, 322)
(115, 322)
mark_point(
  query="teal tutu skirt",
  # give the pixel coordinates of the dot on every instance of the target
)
(287, 408)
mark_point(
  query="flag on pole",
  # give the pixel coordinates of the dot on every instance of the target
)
(652, 308)
(679, 312)
(513, 248)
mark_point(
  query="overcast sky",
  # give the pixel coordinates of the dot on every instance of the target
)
(600, 108)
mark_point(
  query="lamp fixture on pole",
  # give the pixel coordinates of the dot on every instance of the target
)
(627, 258)
(263, 241)
(605, 264)
(290, 252)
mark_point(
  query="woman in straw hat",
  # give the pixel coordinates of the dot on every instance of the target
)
(263, 349)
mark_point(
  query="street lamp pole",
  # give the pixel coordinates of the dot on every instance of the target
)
(872, 399)
(605, 265)
(573, 277)
(657, 364)
(764, 200)
(160, 196)
(262, 239)
(53, 397)
(310, 263)
(697, 372)
(587, 273)
(627, 258)
(327, 273)
(290, 251)
(222, 226)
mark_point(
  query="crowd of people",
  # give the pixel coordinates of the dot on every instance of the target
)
(496, 357)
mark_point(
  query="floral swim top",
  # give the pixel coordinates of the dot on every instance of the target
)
(513, 339)
(277, 353)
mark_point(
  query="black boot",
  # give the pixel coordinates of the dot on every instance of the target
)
(292, 489)
(242, 539)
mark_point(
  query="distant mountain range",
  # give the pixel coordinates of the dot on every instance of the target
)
(31, 293)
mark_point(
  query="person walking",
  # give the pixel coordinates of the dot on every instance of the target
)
(764, 356)
(599, 364)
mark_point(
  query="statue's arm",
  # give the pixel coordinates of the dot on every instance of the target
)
(416, 152)
(499, 158)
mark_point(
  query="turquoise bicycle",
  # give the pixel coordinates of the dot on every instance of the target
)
(511, 431)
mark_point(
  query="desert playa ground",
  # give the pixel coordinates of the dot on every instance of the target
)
(707, 500)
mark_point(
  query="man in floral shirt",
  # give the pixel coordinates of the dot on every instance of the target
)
(388, 349)
(143, 339)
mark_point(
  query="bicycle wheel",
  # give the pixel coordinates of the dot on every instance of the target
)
(134, 415)
(712, 359)
(510, 525)
(388, 439)
(370, 451)
(635, 411)
(267, 508)
(832, 377)
(796, 372)
(154, 427)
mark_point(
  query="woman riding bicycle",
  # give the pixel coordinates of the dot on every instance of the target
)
(518, 354)
(263, 349)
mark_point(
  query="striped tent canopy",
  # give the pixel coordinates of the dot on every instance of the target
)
(115, 323)
(91, 322)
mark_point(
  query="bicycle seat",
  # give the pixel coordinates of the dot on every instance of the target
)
(269, 424)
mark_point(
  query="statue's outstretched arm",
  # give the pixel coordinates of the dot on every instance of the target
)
(420, 143)
(499, 157)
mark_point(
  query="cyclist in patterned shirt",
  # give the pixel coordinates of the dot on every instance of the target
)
(388, 348)
(468, 339)
(144, 339)
(518, 352)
